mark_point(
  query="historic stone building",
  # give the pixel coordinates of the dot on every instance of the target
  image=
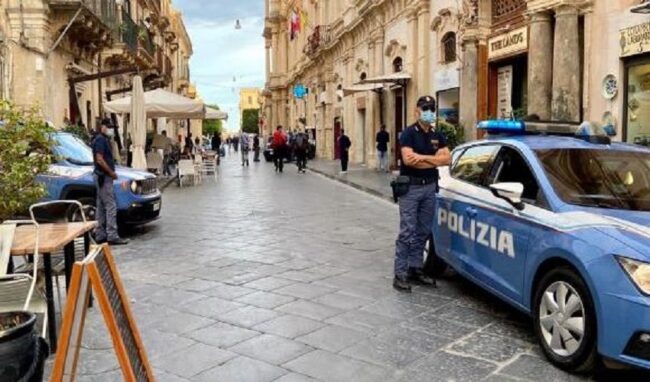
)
(362, 64)
(249, 99)
(67, 57)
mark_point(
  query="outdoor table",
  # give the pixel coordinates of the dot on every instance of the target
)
(52, 238)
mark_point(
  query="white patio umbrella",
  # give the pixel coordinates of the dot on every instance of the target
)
(138, 125)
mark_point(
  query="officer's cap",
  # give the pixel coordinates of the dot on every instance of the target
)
(426, 102)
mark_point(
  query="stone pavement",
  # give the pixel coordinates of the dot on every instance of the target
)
(285, 277)
(360, 177)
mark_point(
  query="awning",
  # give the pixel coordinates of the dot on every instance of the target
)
(161, 103)
(211, 113)
(361, 88)
(387, 78)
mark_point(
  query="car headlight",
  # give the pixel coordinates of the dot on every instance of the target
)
(134, 186)
(638, 271)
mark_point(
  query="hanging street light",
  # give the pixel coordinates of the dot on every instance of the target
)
(237, 24)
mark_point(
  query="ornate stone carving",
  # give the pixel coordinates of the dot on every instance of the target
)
(470, 12)
(394, 48)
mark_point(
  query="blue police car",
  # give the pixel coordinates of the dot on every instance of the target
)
(71, 178)
(555, 224)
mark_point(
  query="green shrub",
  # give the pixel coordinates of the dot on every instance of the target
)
(25, 152)
(455, 135)
(79, 132)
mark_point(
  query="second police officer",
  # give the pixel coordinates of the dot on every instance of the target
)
(423, 150)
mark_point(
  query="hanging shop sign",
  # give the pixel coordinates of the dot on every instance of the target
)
(513, 42)
(635, 40)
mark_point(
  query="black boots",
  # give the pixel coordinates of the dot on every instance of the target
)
(401, 284)
(418, 277)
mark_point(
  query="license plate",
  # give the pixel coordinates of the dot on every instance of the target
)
(156, 206)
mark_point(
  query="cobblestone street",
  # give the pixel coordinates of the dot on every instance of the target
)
(286, 277)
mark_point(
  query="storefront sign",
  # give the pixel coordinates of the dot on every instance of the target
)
(504, 92)
(446, 79)
(635, 40)
(506, 44)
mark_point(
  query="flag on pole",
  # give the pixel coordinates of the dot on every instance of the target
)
(294, 25)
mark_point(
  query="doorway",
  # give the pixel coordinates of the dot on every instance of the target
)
(508, 88)
(361, 122)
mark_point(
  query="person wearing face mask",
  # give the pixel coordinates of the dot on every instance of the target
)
(104, 174)
(423, 150)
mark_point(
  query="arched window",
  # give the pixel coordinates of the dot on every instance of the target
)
(398, 66)
(363, 76)
(449, 47)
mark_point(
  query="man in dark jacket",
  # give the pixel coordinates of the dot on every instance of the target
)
(382, 149)
(344, 143)
(216, 146)
(256, 148)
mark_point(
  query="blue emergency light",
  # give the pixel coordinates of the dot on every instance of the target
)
(500, 126)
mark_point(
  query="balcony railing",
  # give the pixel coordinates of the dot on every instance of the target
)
(129, 31)
(146, 40)
(320, 37)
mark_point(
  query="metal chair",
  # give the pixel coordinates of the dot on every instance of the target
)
(58, 258)
(209, 164)
(186, 170)
(18, 291)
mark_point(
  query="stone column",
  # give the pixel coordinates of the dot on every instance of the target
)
(412, 63)
(566, 66)
(469, 87)
(275, 51)
(424, 50)
(379, 55)
(540, 65)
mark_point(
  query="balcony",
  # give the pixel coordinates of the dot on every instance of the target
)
(507, 11)
(93, 25)
(320, 37)
(135, 45)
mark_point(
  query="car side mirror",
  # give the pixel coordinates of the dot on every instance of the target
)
(510, 192)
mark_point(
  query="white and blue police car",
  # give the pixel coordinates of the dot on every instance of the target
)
(554, 219)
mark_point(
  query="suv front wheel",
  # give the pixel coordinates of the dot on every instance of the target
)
(564, 319)
(89, 208)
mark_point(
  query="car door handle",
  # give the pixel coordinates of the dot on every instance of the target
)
(471, 212)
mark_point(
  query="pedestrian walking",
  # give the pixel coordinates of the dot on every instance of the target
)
(235, 143)
(167, 152)
(256, 148)
(279, 148)
(215, 142)
(423, 151)
(197, 148)
(344, 143)
(382, 149)
(244, 143)
(300, 145)
(189, 145)
(104, 175)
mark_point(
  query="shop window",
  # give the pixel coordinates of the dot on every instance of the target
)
(449, 47)
(398, 65)
(638, 104)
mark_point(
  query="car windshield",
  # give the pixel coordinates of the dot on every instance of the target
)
(599, 178)
(73, 149)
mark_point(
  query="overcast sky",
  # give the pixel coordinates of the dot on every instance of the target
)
(222, 53)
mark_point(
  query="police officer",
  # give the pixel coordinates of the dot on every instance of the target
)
(104, 174)
(423, 150)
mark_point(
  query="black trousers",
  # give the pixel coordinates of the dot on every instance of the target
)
(344, 160)
(278, 158)
(301, 159)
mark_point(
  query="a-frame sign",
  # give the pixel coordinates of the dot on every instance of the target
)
(97, 272)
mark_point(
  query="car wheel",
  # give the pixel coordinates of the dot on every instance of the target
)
(89, 208)
(433, 265)
(564, 319)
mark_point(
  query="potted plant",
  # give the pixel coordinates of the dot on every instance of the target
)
(22, 352)
(25, 152)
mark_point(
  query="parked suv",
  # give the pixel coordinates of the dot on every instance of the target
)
(71, 178)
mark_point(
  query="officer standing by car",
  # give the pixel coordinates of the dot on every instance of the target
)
(104, 175)
(423, 150)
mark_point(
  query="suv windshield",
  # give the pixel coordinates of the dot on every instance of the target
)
(73, 149)
(599, 178)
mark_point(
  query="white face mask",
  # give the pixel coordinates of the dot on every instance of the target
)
(110, 133)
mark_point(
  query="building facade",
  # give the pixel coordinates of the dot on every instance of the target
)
(403, 48)
(67, 57)
(364, 63)
(249, 99)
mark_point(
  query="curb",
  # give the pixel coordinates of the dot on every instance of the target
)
(359, 187)
(165, 183)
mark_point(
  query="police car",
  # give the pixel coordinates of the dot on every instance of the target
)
(554, 219)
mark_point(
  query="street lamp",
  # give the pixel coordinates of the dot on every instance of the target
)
(643, 8)
(237, 24)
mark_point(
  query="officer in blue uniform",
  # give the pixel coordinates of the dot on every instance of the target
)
(423, 150)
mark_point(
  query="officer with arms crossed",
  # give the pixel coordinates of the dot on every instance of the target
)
(423, 150)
